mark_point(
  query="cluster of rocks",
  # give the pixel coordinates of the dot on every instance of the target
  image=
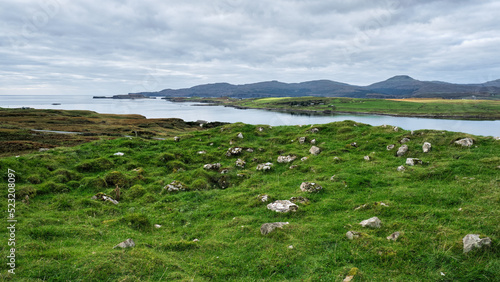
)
(214, 166)
(265, 166)
(233, 151)
(175, 186)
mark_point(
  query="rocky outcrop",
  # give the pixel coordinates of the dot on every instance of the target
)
(264, 167)
(175, 186)
(282, 206)
(373, 222)
(413, 161)
(402, 151)
(286, 159)
(310, 187)
(315, 150)
(472, 241)
(129, 243)
(267, 228)
(426, 148)
(466, 142)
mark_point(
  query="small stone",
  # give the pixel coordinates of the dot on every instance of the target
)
(402, 150)
(175, 186)
(394, 236)
(472, 241)
(466, 142)
(300, 200)
(233, 151)
(250, 150)
(405, 140)
(240, 163)
(396, 128)
(282, 206)
(304, 159)
(224, 171)
(367, 158)
(351, 235)
(426, 148)
(196, 240)
(332, 178)
(260, 129)
(43, 149)
(202, 152)
(240, 135)
(264, 198)
(413, 161)
(354, 144)
(118, 154)
(390, 147)
(267, 228)
(293, 166)
(290, 247)
(177, 138)
(310, 187)
(314, 150)
(264, 167)
(214, 166)
(286, 159)
(314, 130)
(157, 226)
(302, 140)
(313, 142)
(373, 222)
(129, 243)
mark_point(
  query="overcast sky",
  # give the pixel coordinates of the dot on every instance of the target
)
(115, 47)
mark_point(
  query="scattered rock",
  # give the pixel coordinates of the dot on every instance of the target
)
(260, 129)
(118, 154)
(351, 235)
(313, 142)
(396, 128)
(224, 171)
(175, 186)
(404, 140)
(314, 150)
(332, 178)
(282, 206)
(202, 152)
(240, 135)
(267, 228)
(240, 163)
(367, 158)
(233, 151)
(214, 166)
(426, 147)
(390, 147)
(196, 240)
(290, 247)
(177, 138)
(250, 150)
(472, 241)
(293, 166)
(43, 149)
(353, 272)
(373, 222)
(466, 142)
(402, 150)
(304, 158)
(314, 130)
(264, 198)
(354, 144)
(103, 197)
(300, 200)
(286, 159)
(401, 168)
(264, 167)
(302, 140)
(374, 205)
(157, 226)
(413, 161)
(129, 243)
(310, 187)
(394, 236)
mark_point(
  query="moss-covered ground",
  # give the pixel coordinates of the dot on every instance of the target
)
(64, 235)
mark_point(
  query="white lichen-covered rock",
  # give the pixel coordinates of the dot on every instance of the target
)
(240, 163)
(373, 222)
(267, 228)
(233, 151)
(202, 152)
(401, 168)
(214, 166)
(260, 129)
(282, 206)
(240, 135)
(310, 187)
(314, 130)
(286, 159)
(304, 159)
(404, 140)
(103, 197)
(302, 140)
(118, 154)
(313, 142)
(351, 235)
(314, 150)
(367, 158)
(466, 142)
(426, 148)
(396, 128)
(177, 138)
(129, 243)
(264, 167)
(264, 198)
(402, 150)
(175, 186)
(472, 241)
(413, 161)
(390, 147)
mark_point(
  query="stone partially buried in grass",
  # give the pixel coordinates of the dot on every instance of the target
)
(466, 142)
(175, 186)
(267, 228)
(282, 206)
(472, 241)
(129, 243)
(310, 187)
(373, 222)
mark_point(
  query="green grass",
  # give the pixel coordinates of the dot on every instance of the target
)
(64, 235)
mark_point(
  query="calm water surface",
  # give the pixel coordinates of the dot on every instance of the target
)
(157, 108)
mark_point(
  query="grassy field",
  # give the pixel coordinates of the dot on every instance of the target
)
(211, 230)
(435, 108)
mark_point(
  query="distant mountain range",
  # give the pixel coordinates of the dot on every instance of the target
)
(401, 86)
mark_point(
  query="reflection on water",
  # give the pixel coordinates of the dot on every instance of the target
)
(157, 108)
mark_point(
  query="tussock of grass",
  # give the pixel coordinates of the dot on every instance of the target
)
(64, 235)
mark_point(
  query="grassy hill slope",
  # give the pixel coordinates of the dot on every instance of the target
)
(63, 235)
